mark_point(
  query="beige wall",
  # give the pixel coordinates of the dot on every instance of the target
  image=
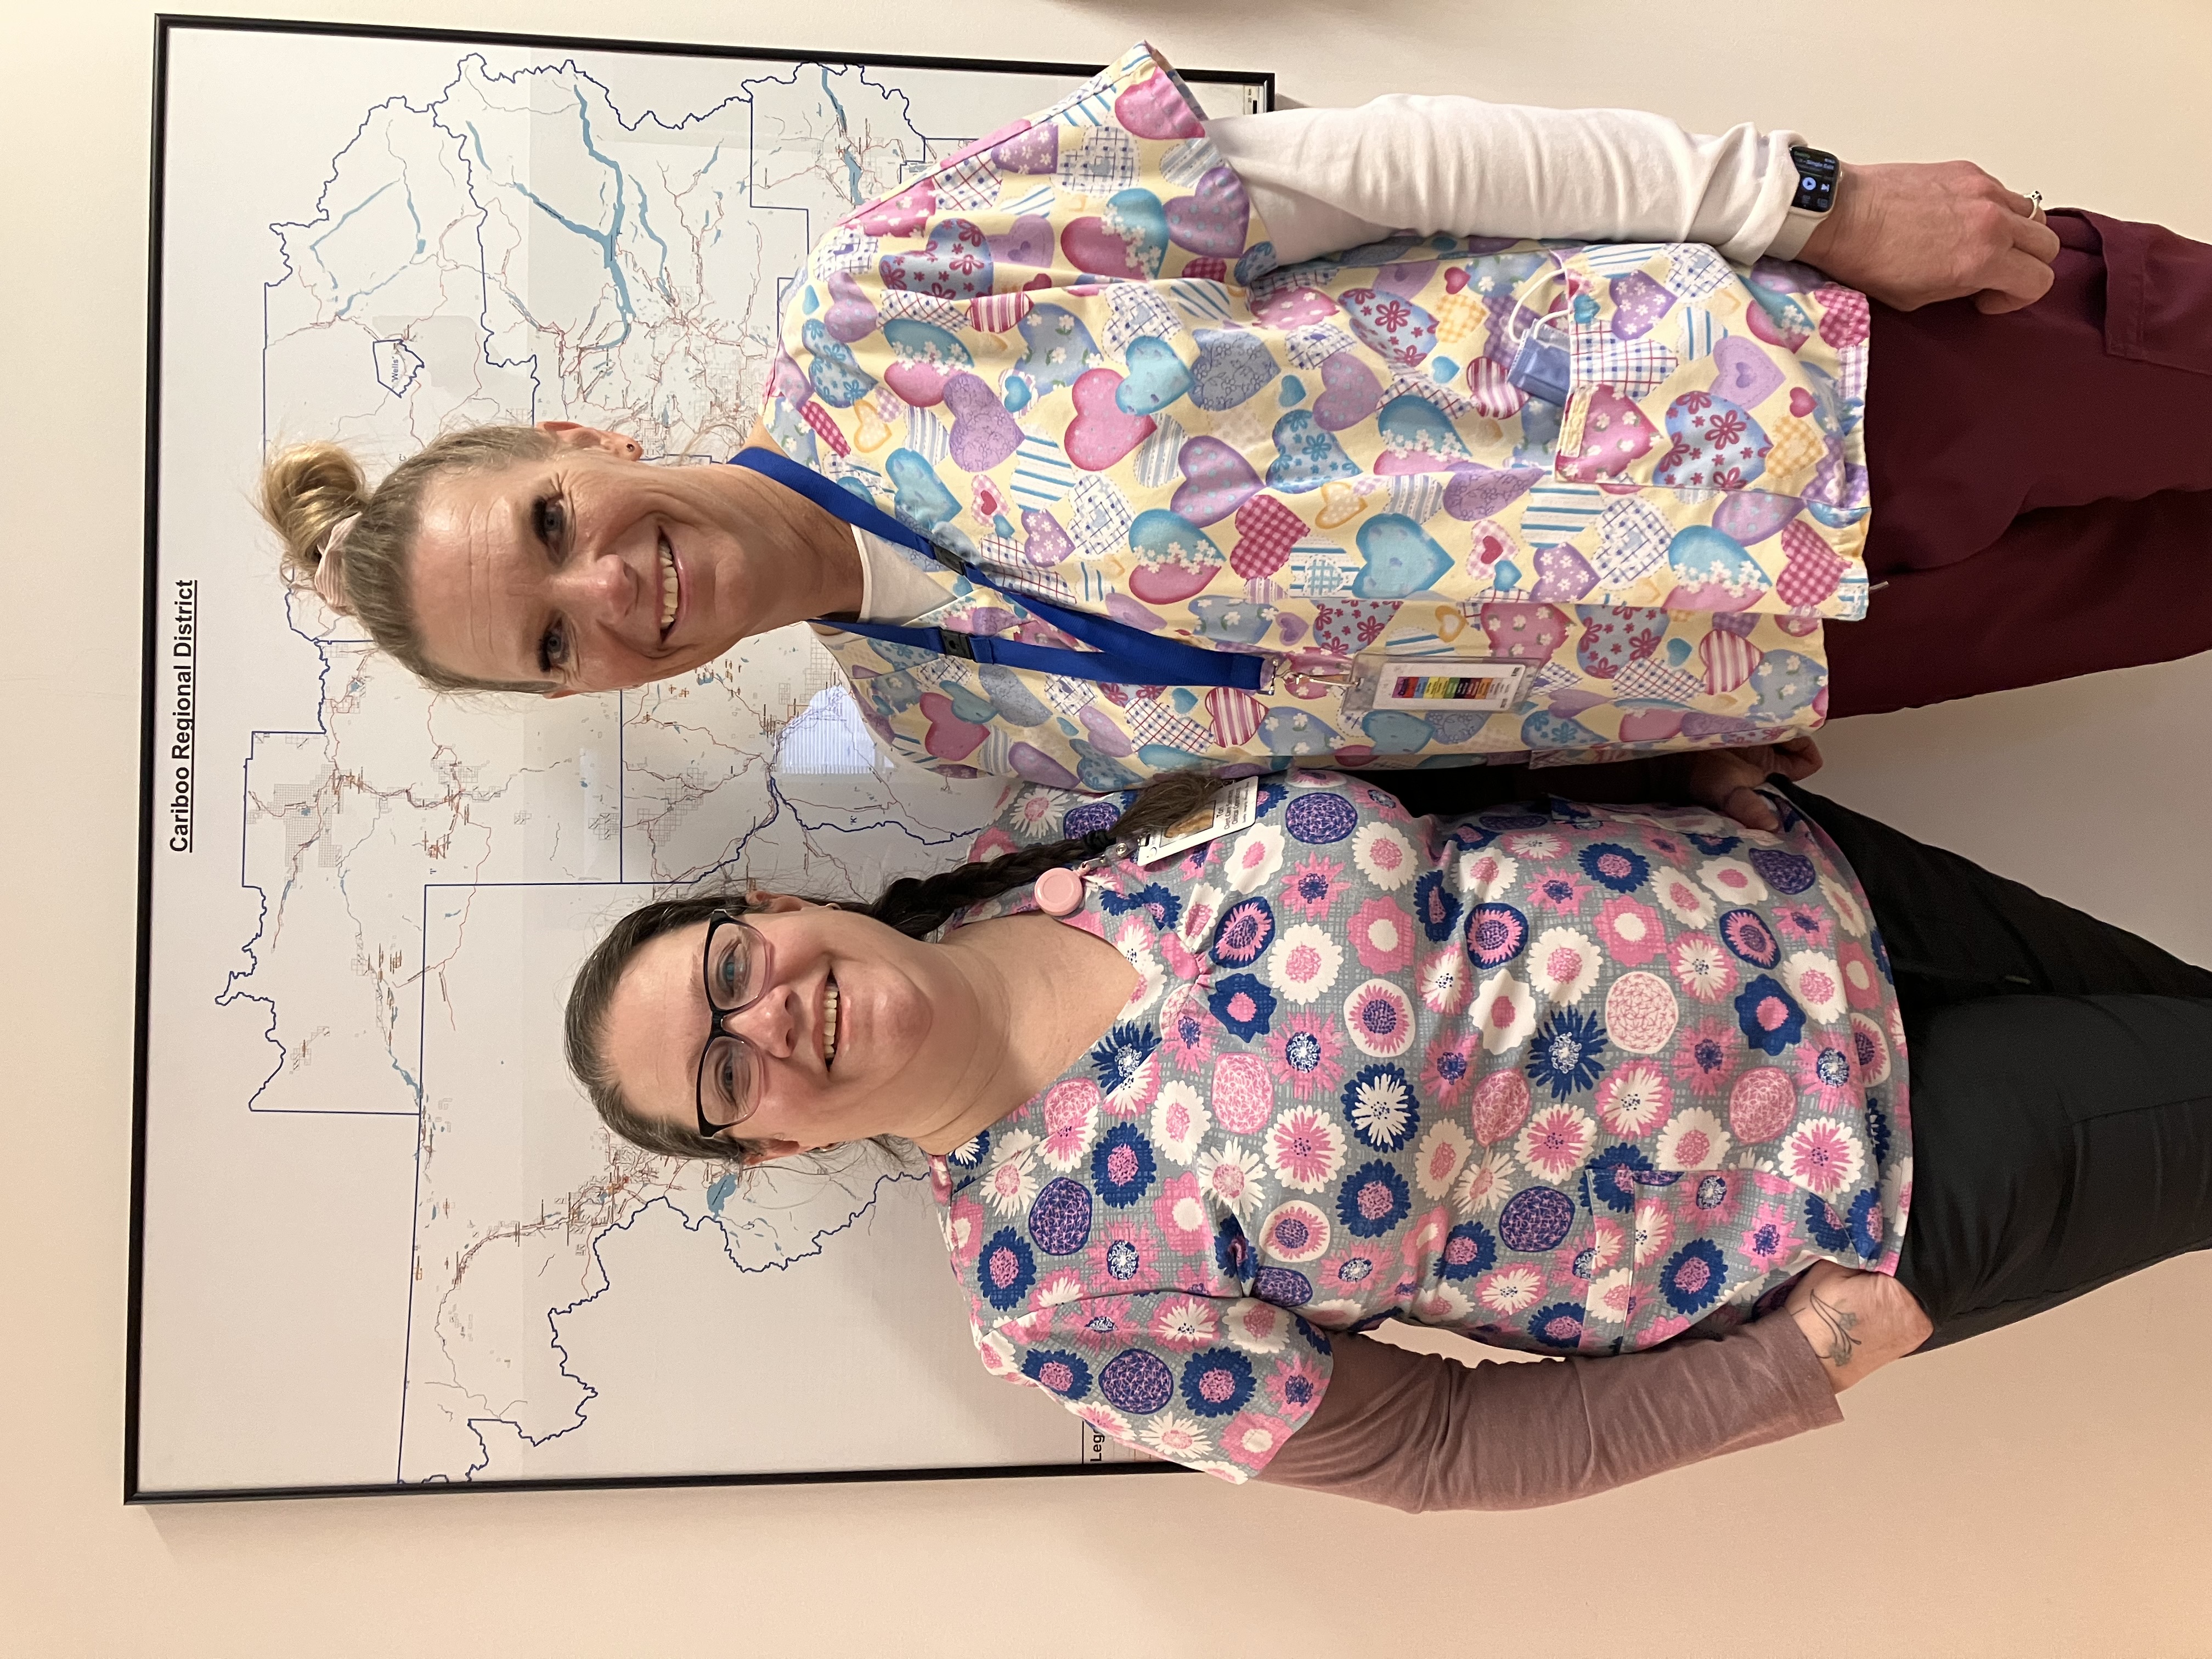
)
(2043, 1490)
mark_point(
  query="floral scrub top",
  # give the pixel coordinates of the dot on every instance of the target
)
(1067, 355)
(1559, 1078)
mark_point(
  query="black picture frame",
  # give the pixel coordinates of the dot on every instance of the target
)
(165, 25)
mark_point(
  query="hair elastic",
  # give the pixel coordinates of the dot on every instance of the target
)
(330, 565)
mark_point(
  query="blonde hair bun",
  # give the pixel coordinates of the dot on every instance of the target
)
(307, 491)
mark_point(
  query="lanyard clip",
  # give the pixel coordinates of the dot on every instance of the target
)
(1319, 674)
(1316, 683)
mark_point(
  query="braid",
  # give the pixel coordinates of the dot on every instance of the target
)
(918, 906)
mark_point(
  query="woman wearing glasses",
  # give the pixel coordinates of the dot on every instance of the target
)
(1091, 464)
(1623, 1084)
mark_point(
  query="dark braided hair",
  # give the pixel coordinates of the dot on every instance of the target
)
(917, 906)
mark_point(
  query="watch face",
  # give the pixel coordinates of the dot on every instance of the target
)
(1817, 171)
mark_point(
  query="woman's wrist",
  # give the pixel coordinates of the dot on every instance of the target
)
(1910, 234)
(1835, 225)
(1855, 1321)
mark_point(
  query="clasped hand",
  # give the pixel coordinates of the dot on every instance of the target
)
(1857, 1322)
(1728, 779)
(1910, 234)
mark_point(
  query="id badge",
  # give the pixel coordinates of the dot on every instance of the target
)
(1476, 684)
(1231, 809)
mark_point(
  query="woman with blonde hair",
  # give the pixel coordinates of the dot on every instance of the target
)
(1090, 461)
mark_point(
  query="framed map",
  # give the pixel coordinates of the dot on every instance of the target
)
(379, 1243)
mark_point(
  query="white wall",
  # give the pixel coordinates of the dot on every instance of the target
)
(2043, 1491)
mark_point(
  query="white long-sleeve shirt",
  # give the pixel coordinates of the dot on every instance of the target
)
(1323, 178)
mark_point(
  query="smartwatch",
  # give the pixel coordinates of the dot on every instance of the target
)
(1817, 180)
(1817, 173)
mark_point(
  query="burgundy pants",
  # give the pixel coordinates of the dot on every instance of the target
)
(2041, 480)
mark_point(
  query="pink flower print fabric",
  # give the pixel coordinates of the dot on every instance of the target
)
(1557, 1078)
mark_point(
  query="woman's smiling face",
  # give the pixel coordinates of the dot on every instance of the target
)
(589, 570)
(858, 1031)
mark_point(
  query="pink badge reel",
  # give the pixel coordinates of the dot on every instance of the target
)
(1059, 892)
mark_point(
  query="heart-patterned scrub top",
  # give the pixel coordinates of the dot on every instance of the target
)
(1068, 357)
(1559, 1078)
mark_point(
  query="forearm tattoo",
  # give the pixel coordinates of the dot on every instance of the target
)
(1842, 1345)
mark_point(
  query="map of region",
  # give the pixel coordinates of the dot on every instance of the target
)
(385, 1240)
(511, 235)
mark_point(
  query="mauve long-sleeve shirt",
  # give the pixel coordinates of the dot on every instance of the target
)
(1421, 1431)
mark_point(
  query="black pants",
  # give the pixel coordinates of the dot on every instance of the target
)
(2061, 1084)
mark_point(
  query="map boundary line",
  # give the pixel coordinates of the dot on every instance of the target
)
(165, 22)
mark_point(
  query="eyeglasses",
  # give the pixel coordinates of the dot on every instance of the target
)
(739, 966)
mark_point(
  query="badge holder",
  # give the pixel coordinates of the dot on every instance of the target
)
(1543, 367)
(1234, 808)
(1543, 362)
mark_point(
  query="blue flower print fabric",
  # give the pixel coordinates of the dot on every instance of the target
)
(1559, 1078)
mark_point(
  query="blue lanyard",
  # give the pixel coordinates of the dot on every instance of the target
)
(1120, 654)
